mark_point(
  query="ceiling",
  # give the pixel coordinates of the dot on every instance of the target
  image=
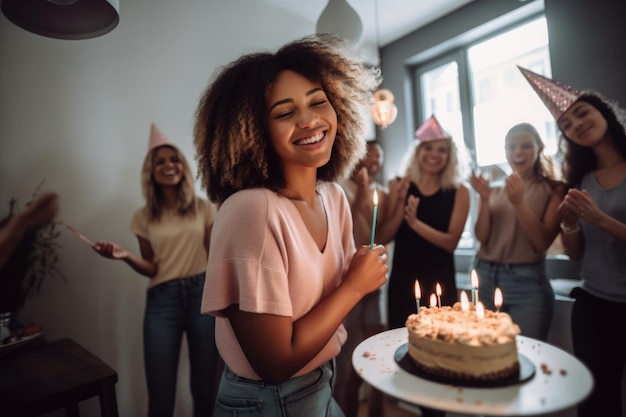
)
(384, 21)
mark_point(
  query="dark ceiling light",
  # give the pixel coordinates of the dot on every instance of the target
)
(339, 18)
(63, 19)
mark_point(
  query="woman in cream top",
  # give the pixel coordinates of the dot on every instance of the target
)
(516, 224)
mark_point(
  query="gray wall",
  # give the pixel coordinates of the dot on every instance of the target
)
(588, 44)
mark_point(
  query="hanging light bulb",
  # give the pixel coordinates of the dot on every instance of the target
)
(63, 19)
(339, 18)
(384, 112)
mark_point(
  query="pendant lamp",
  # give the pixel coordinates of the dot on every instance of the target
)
(384, 112)
(339, 18)
(63, 19)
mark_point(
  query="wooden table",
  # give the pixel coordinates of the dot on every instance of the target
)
(48, 376)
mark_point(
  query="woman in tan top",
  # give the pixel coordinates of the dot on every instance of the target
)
(516, 224)
(173, 230)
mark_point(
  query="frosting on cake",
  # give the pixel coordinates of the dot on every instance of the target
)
(450, 342)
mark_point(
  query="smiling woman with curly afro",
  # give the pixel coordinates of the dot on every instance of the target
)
(273, 133)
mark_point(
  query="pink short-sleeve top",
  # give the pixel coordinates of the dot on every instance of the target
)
(263, 258)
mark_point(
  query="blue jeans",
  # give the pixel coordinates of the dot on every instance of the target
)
(172, 309)
(309, 395)
(526, 290)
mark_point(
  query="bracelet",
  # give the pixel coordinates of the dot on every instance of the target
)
(569, 230)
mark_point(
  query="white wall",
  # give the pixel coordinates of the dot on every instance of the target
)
(77, 114)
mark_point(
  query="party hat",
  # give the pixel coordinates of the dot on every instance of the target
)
(557, 96)
(157, 138)
(431, 130)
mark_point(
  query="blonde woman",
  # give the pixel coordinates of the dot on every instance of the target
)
(429, 226)
(173, 230)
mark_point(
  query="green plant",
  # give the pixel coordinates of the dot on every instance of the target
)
(34, 259)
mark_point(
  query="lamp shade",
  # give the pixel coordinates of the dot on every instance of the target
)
(63, 19)
(339, 18)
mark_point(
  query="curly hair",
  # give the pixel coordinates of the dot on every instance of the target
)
(579, 160)
(231, 135)
(543, 167)
(186, 202)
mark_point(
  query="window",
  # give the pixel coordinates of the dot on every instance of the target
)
(502, 97)
(478, 93)
(443, 100)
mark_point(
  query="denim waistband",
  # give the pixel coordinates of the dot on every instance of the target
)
(192, 279)
(327, 368)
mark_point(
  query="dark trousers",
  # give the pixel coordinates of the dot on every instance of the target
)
(597, 327)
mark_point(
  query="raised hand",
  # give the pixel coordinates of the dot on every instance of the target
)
(410, 210)
(514, 188)
(480, 184)
(41, 211)
(368, 269)
(579, 204)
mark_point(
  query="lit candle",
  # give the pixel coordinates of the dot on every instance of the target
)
(438, 290)
(497, 299)
(374, 218)
(433, 300)
(418, 295)
(474, 282)
(464, 301)
(480, 310)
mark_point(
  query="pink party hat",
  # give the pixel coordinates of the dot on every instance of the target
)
(557, 96)
(157, 138)
(431, 130)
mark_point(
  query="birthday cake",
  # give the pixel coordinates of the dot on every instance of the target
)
(459, 344)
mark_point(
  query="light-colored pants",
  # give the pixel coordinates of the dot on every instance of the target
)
(527, 294)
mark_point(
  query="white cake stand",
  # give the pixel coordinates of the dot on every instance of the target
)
(560, 380)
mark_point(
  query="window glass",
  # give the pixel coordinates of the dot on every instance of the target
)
(501, 95)
(441, 92)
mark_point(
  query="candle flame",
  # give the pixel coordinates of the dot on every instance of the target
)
(497, 298)
(474, 279)
(433, 300)
(418, 291)
(375, 198)
(480, 310)
(438, 290)
(464, 301)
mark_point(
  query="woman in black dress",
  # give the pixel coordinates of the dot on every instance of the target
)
(429, 227)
